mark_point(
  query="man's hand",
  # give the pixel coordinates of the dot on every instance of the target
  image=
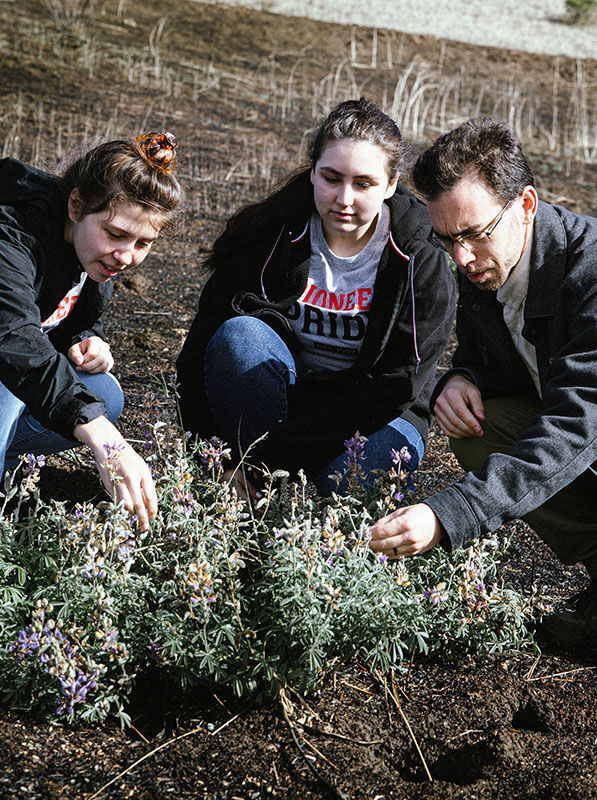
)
(459, 409)
(406, 532)
(91, 355)
(123, 472)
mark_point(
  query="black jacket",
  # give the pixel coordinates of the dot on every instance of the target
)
(385, 382)
(560, 320)
(37, 269)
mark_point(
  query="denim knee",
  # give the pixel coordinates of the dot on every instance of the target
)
(106, 386)
(377, 453)
(248, 372)
(11, 409)
(242, 342)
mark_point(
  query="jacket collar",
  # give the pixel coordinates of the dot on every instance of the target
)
(548, 261)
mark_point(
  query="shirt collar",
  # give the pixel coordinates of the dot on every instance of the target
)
(514, 291)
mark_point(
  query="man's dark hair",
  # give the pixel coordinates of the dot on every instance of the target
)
(482, 146)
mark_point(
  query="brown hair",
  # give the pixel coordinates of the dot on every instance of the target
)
(119, 171)
(481, 146)
(362, 120)
(354, 119)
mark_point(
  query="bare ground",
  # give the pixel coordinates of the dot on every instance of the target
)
(512, 727)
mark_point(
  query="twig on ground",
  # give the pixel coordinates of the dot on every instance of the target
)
(224, 725)
(459, 735)
(286, 704)
(138, 732)
(144, 758)
(215, 696)
(529, 675)
(341, 737)
(157, 750)
(560, 674)
(358, 688)
(316, 750)
(394, 695)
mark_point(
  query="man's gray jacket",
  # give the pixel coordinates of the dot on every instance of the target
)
(561, 322)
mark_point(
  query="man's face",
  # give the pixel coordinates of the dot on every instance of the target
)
(470, 208)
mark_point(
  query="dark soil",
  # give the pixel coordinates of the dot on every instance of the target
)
(239, 88)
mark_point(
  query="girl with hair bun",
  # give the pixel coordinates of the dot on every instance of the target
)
(326, 313)
(62, 241)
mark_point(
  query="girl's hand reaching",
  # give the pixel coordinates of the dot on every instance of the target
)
(123, 472)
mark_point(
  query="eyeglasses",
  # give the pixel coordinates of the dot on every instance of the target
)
(471, 240)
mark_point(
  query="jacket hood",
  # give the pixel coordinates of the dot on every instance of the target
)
(411, 225)
(36, 199)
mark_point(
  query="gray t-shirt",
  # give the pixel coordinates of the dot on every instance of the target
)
(330, 318)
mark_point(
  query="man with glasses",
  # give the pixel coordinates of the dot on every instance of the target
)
(520, 403)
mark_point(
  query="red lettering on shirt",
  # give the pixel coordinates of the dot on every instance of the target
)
(359, 299)
(364, 301)
(65, 306)
(336, 302)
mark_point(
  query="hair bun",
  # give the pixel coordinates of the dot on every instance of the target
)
(158, 149)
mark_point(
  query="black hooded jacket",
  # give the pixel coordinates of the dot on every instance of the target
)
(393, 374)
(37, 269)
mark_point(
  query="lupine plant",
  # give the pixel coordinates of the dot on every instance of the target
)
(252, 597)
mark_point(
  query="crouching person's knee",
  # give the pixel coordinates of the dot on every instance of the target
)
(470, 452)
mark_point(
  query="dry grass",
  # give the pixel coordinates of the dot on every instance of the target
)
(176, 78)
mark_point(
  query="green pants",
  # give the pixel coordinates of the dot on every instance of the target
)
(567, 522)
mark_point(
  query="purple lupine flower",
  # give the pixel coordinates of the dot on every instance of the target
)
(355, 447)
(31, 462)
(75, 690)
(112, 450)
(354, 450)
(436, 595)
(401, 456)
(147, 434)
(27, 642)
(212, 454)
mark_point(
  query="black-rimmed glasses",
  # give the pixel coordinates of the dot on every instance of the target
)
(471, 240)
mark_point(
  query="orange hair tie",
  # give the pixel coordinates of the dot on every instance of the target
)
(158, 150)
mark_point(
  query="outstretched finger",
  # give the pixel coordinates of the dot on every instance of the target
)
(150, 498)
(135, 503)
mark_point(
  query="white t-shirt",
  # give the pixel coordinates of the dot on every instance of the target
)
(330, 318)
(65, 306)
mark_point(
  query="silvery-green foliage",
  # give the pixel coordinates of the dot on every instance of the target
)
(254, 598)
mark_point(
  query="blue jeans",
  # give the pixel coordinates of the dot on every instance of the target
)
(21, 433)
(249, 373)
